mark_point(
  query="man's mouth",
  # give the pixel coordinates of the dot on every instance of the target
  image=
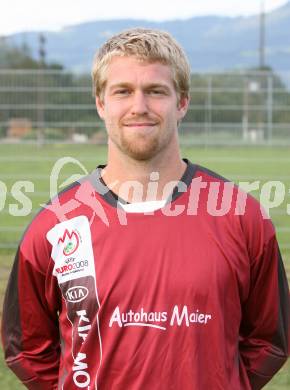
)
(140, 124)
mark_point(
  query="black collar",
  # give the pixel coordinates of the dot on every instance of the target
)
(110, 197)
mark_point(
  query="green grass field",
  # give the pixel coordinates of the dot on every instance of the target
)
(33, 164)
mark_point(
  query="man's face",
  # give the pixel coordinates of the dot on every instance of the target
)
(140, 107)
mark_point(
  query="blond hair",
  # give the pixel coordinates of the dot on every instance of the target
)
(147, 45)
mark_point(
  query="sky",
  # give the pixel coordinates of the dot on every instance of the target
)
(43, 15)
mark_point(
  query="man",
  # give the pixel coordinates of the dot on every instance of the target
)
(152, 272)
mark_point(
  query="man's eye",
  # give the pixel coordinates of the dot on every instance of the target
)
(121, 92)
(156, 92)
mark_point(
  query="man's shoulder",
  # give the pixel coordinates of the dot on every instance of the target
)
(221, 192)
(229, 205)
(62, 206)
(216, 181)
(209, 175)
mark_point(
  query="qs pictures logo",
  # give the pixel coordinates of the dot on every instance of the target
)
(70, 242)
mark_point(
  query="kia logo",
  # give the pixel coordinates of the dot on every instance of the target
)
(76, 294)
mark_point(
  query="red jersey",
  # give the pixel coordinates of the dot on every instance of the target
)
(192, 296)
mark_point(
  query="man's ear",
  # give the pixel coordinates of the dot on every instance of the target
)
(100, 107)
(183, 105)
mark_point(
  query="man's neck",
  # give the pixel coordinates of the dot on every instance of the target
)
(140, 181)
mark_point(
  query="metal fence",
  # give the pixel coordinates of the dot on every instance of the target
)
(226, 108)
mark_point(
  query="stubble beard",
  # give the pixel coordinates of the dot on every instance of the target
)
(143, 147)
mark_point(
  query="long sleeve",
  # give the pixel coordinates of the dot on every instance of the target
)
(265, 326)
(30, 332)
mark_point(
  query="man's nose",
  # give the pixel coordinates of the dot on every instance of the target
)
(139, 103)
